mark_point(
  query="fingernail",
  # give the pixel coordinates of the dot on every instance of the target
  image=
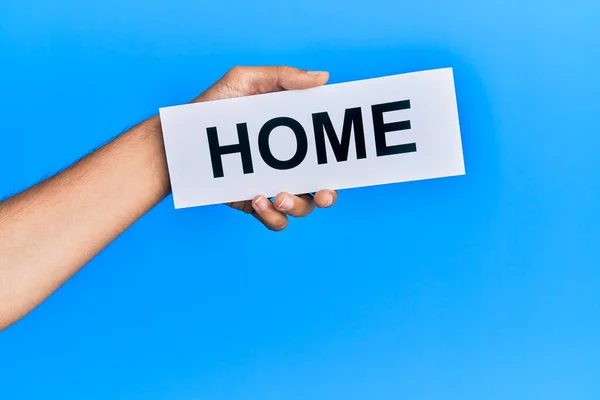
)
(261, 203)
(330, 201)
(315, 72)
(286, 203)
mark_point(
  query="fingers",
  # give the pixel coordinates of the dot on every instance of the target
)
(296, 206)
(325, 198)
(266, 213)
(274, 214)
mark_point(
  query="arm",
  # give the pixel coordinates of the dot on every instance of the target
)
(50, 231)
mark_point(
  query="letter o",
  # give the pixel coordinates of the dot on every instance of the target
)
(265, 150)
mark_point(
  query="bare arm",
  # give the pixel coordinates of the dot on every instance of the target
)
(50, 231)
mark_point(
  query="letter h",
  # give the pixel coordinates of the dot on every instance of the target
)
(217, 151)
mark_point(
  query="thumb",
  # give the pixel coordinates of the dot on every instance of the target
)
(273, 79)
(246, 81)
(294, 78)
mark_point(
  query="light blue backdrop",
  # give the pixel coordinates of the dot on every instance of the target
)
(478, 287)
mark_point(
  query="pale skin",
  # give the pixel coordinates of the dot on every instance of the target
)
(51, 230)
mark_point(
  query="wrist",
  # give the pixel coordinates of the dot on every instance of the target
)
(148, 136)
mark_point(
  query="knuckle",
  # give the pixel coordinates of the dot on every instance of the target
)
(278, 225)
(235, 71)
(309, 209)
(303, 211)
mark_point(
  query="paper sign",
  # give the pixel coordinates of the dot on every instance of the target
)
(370, 132)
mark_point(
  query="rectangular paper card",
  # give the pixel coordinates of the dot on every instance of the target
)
(384, 130)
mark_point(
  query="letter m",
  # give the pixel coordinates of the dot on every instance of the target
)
(322, 124)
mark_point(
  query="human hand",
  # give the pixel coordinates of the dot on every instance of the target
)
(247, 81)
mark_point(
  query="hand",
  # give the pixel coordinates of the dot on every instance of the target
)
(247, 81)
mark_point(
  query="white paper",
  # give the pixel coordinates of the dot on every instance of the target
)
(434, 130)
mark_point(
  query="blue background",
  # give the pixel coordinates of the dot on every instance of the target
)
(485, 286)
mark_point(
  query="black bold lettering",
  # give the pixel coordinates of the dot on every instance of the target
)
(217, 151)
(322, 123)
(265, 150)
(380, 128)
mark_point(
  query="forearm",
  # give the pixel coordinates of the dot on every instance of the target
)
(50, 231)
